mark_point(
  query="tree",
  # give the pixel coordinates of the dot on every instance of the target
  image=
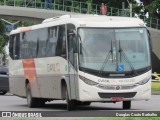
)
(3, 40)
(152, 8)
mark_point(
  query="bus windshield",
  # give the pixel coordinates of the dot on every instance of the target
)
(110, 49)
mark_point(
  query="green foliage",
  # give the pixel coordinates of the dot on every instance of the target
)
(3, 40)
(156, 86)
(2, 27)
(152, 8)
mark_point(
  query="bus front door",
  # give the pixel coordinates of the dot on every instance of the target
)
(72, 66)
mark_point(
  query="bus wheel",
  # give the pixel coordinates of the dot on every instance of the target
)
(70, 103)
(40, 102)
(30, 101)
(86, 103)
(126, 104)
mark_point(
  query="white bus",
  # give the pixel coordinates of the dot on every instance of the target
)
(81, 59)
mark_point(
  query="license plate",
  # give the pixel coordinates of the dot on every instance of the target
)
(117, 99)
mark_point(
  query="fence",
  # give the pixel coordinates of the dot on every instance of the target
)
(78, 7)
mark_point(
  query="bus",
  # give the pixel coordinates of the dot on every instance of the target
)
(81, 59)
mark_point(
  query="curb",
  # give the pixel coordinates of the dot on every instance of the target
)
(156, 93)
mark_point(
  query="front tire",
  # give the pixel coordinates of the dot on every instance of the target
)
(70, 103)
(86, 103)
(79, 103)
(126, 104)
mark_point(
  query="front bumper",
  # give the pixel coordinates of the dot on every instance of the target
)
(93, 93)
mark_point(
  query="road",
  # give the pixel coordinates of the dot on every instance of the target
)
(58, 108)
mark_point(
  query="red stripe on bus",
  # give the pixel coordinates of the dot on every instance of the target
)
(30, 73)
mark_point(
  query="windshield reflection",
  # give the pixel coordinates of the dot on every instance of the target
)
(97, 43)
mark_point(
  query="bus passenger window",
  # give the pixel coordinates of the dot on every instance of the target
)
(41, 42)
(51, 41)
(61, 42)
(11, 41)
(16, 46)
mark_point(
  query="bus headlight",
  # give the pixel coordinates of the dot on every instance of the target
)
(87, 81)
(144, 81)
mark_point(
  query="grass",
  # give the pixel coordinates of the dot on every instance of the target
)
(155, 86)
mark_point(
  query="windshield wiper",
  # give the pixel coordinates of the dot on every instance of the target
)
(106, 60)
(122, 53)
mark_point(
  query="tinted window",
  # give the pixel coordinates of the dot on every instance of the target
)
(61, 43)
(14, 46)
(51, 41)
(41, 42)
(11, 41)
(17, 46)
(45, 42)
(28, 44)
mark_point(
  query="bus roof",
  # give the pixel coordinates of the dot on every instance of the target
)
(86, 20)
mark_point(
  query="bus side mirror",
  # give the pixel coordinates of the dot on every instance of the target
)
(71, 32)
(73, 39)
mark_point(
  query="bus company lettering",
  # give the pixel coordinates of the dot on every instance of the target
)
(107, 81)
(103, 80)
(116, 81)
(53, 67)
(127, 80)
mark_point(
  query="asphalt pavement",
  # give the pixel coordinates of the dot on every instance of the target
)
(57, 108)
